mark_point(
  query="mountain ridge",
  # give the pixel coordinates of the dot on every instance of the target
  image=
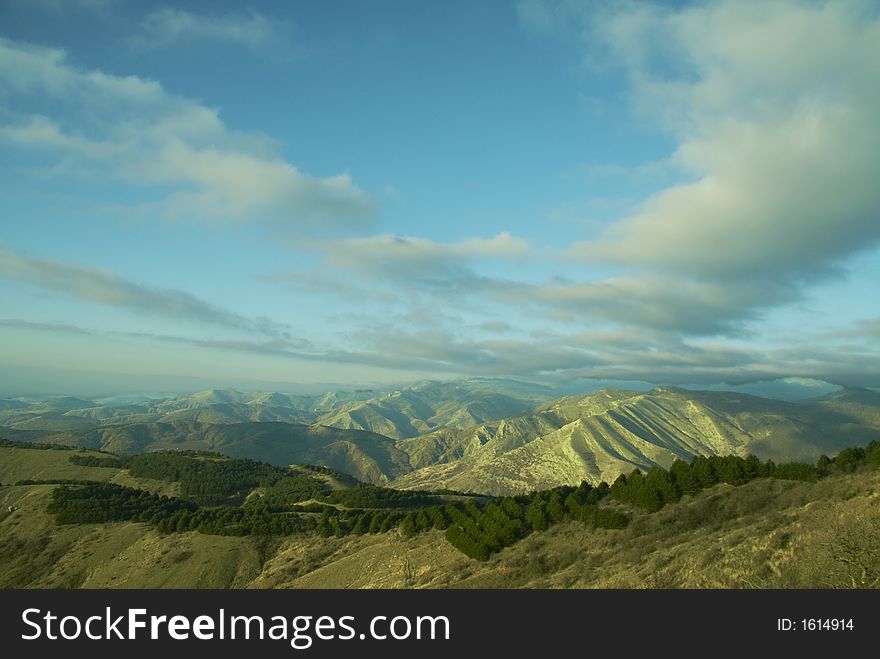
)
(591, 437)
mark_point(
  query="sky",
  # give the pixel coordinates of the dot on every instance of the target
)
(356, 193)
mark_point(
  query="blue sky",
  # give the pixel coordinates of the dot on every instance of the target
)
(348, 192)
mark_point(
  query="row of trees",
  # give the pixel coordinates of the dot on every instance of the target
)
(850, 459)
(658, 487)
(11, 443)
(373, 496)
(112, 461)
(95, 502)
(479, 532)
(89, 502)
(206, 480)
(233, 520)
(211, 480)
(333, 522)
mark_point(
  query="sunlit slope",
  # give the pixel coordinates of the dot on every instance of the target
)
(429, 405)
(599, 436)
(36, 553)
(765, 534)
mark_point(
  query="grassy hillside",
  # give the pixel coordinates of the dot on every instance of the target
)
(763, 533)
(37, 553)
(37, 464)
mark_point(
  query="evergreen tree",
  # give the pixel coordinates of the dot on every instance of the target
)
(687, 481)
(407, 526)
(537, 517)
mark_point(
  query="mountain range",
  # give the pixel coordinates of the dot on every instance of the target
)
(477, 435)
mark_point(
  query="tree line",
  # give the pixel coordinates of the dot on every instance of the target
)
(112, 461)
(478, 527)
(658, 487)
(364, 495)
(210, 480)
(96, 502)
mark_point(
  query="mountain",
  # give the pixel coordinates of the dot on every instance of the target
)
(428, 405)
(861, 406)
(599, 436)
(209, 406)
(449, 435)
(366, 456)
(407, 412)
(789, 389)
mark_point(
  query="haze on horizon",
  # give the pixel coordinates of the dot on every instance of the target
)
(353, 193)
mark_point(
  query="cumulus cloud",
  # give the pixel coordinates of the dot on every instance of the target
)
(131, 129)
(107, 288)
(780, 142)
(778, 145)
(783, 139)
(167, 25)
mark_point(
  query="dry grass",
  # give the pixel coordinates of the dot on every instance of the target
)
(766, 534)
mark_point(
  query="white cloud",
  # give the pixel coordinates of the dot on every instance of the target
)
(128, 128)
(167, 25)
(774, 106)
(659, 302)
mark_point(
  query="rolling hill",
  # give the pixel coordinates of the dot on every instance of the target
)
(767, 533)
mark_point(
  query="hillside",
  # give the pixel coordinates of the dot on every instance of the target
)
(606, 433)
(366, 456)
(767, 533)
(429, 405)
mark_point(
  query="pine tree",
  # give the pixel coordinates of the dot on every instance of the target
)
(407, 526)
(537, 517)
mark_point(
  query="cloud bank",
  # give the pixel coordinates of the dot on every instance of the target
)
(107, 288)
